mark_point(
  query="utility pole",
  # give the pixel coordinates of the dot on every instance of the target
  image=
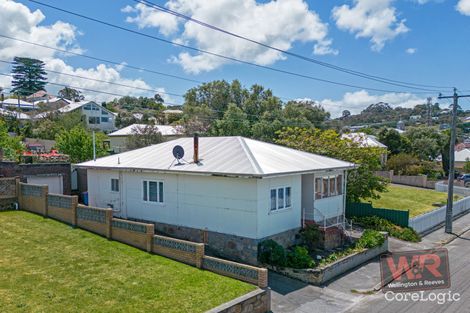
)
(450, 186)
(429, 107)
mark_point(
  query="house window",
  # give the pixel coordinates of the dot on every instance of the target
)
(104, 112)
(318, 187)
(87, 107)
(93, 120)
(280, 198)
(152, 191)
(104, 119)
(328, 186)
(114, 184)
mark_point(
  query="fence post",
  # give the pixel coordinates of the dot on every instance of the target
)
(74, 210)
(109, 223)
(262, 278)
(44, 194)
(150, 234)
(199, 255)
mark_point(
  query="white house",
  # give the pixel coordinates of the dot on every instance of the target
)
(96, 116)
(229, 192)
(368, 141)
(118, 139)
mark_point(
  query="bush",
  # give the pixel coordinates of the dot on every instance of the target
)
(370, 239)
(381, 224)
(309, 236)
(272, 253)
(299, 258)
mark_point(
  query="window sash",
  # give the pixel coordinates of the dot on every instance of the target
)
(332, 190)
(152, 191)
(114, 184)
(273, 200)
(288, 197)
(318, 188)
(339, 184)
(280, 198)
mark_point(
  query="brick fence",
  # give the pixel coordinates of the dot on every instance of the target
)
(35, 198)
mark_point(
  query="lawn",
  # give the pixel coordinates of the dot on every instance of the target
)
(417, 200)
(47, 266)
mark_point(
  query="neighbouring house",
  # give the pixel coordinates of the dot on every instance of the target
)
(56, 175)
(38, 96)
(18, 104)
(415, 117)
(96, 116)
(368, 141)
(228, 192)
(118, 139)
(461, 156)
(53, 103)
(13, 114)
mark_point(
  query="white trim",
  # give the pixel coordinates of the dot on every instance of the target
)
(284, 208)
(148, 192)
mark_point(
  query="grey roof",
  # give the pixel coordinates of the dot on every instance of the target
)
(165, 130)
(237, 156)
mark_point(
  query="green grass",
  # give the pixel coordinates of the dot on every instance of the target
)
(47, 266)
(417, 201)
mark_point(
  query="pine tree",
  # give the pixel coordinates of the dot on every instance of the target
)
(29, 76)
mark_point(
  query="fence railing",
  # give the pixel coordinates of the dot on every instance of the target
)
(366, 209)
(429, 221)
(35, 198)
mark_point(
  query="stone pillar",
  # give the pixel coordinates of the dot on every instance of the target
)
(199, 255)
(109, 223)
(150, 233)
(44, 195)
(263, 278)
(74, 210)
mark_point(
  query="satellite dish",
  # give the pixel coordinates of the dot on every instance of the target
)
(178, 152)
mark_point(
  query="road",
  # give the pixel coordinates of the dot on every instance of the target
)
(459, 252)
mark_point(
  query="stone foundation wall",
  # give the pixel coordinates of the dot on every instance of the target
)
(232, 247)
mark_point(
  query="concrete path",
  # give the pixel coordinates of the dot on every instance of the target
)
(289, 295)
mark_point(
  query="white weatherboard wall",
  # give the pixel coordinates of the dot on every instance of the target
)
(274, 222)
(220, 204)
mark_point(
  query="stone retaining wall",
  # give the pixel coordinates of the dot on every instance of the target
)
(257, 301)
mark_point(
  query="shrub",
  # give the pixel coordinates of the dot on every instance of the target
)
(370, 239)
(309, 236)
(272, 253)
(299, 258)
(381, 224)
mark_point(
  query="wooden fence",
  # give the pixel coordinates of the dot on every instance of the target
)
(366, 209)
(34, 198)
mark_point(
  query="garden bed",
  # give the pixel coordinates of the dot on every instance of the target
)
(325, 273)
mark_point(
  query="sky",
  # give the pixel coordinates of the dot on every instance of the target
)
(414, 41)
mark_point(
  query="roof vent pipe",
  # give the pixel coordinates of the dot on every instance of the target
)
(196, 148)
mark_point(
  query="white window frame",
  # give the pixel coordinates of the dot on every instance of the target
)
(159, 196)
(328, 194)
(284, 191)
(118, 187)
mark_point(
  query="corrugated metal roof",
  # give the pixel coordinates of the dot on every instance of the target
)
(462, 155)
(364, 140)
(237, 156)
(19, 115)
(165, 130)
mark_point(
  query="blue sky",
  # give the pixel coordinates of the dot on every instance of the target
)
(435, 34)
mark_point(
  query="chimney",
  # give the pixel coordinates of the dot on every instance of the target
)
(196, 148)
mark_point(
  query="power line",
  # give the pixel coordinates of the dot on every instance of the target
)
(107, 82)
(302, 57)
(103, 60)
(215, 54)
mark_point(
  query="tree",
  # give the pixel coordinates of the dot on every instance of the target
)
(346, 114)
(234, 123)
(78, 144)
(362, 181)
(53, 124)
(71, 94)
(404, 164)
(143, 137)
(425, 142)
(395, 142)
(466, 166)
(11, 146)
(29, 76)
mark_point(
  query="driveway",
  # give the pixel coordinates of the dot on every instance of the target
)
(351, 292)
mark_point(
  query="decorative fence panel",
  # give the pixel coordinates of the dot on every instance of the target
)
(366, 209)
(247, 273)
(428, 221)
(62, 208)
(136, 234)
(33, 198)
(185, 251)
(96, 220)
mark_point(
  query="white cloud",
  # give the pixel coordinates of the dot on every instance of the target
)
(357, 101)
(278, 23)
(463, 6)
(18, 21)
(411, 50)
(374, 19)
